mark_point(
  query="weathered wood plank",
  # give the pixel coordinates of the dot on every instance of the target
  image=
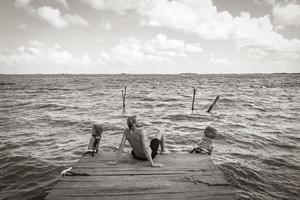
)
(141, 190)
(108, 156)
(212, 180)
(204, 191)
(199, 161)
(100, 172)
(132, 179)
(145, 165)
(125, 172)
(143, 181)
(173, 196)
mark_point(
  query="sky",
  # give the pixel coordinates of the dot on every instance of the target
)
(149, 36)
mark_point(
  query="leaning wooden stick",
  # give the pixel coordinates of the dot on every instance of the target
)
(194, 94)
(213, 104)
(124, 97)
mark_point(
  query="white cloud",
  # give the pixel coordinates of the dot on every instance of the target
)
(285, 13)
(118, 6)
(86, 60)
(200, 17)
(51, 15)
(186, 15)
(259, 36)
(219, 61)
(39, 54)
(274, 2)
(288, 15)
(106, 25)
(261, 2)
(203, 18)
(54, 18)
(23, 3)
(256, 53)
(75, 20)
(259, 32)
(39, 44)
(265, 54)
(103, 58)
(63, 2)
(26, 4)
(130, 51)
(21, 27)
(97, 4)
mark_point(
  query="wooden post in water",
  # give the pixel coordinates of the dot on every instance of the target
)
(213, 104)
(194, 94)
(124, 97)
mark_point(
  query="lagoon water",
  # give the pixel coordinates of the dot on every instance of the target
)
(46, 122)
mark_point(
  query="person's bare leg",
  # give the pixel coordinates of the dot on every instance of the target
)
(163, 144)
(162, 141)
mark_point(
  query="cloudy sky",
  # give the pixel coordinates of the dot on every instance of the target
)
(149, 36)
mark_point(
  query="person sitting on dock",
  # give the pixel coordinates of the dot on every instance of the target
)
(136, 138)
(206, 143)
(95, 140)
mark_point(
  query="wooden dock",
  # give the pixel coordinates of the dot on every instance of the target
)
(184, 176)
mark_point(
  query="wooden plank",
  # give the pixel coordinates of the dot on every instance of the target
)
(173, 196)
(101, 194)
(190, 160)
(132, 179)
(143, 181)
(100, 172)
(208, 178)
(146, 165)
(109, 156)
(127, 191)
(96, 172)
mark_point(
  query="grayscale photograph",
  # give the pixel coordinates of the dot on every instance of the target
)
(149, 99)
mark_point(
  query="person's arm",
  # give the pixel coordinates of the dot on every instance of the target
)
(210, 149)
(121, 147)
(120, 150)
(147, 153)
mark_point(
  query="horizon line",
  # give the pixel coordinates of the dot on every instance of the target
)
(184, 73)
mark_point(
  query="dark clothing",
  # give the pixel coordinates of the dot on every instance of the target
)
(154, 144)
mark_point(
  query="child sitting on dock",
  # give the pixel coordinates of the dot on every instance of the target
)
(136, 138)
(95, 140)
(206, 143)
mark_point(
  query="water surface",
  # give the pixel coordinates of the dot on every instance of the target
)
(46, 121)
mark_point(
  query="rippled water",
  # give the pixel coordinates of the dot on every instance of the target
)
(46, 121)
